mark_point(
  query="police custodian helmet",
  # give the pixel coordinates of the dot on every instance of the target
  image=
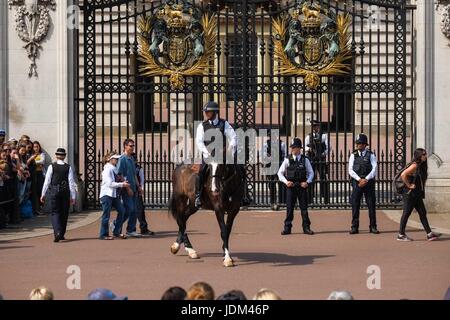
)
(296, 143)
(362, 139)
(211, 106)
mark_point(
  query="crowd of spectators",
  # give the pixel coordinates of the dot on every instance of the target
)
(22, 172)
(197, 291)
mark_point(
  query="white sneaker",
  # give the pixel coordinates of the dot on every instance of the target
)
(133, 234)
(403, 237)
(433, 236)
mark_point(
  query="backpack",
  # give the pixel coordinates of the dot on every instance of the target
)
(398, 186)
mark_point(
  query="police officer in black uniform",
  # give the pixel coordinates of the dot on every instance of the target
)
(59, 193)
(317, 149)
(296, 172)
(362, 169)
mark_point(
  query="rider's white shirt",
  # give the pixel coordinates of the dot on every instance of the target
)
(229, 134)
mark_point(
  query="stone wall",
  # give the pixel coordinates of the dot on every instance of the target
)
(38, 106)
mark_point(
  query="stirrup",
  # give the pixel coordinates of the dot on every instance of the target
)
(198, 202)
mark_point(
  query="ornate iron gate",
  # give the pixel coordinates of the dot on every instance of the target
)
(375, 97)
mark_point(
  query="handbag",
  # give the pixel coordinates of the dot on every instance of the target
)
(398, 185)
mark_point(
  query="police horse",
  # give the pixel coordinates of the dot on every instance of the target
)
(223, 191)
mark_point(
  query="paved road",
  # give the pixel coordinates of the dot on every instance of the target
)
(297, 266)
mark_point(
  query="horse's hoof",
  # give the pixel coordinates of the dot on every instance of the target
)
(228, 263)
(192, 253)
(175, 248)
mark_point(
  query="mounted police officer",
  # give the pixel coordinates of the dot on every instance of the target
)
(296, 172)
(362, 168)
(317, 149)
(59, 191)
(213, 122)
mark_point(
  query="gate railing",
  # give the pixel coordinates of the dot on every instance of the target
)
(268, 191)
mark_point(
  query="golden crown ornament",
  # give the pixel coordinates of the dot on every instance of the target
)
(311, 42)
(177, 41)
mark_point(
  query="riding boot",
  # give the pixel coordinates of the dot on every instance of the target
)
(199, 188)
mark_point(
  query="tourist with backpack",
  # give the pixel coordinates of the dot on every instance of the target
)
(414, 178)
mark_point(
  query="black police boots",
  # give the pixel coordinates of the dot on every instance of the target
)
(374, 230)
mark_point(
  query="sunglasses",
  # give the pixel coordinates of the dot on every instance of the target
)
(6, 150)
(131, 145)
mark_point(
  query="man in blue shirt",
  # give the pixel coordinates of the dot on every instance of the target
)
(126, 168)
(362, 167)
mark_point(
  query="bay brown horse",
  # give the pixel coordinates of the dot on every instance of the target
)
(222, 192)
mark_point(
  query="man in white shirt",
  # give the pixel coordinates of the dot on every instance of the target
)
(229, 140)
(59, 190)
(362, 167)
(296, 172)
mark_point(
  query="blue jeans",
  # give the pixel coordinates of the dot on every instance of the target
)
(129, 202)
(107, 204)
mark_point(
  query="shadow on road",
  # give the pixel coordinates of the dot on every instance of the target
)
(347, 231)
(277, 259)
(15, 247)
(173, 234)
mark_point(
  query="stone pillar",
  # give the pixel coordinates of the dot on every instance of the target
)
(433, 96)
(38, 106)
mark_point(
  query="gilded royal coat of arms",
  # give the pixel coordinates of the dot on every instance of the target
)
(177, 40)
(312, 42)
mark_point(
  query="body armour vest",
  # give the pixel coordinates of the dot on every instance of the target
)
(362, 165)
(220, 126)
(315, 143)
(296, 170)
(60, 174)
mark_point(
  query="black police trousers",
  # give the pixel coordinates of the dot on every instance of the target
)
(59, 206)
(292, 195)
(369, 193)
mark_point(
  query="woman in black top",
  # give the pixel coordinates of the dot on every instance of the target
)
(415, 177)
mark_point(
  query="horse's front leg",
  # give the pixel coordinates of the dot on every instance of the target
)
(224, 234)
(229, 226)
(180, 238)
(189, 248)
